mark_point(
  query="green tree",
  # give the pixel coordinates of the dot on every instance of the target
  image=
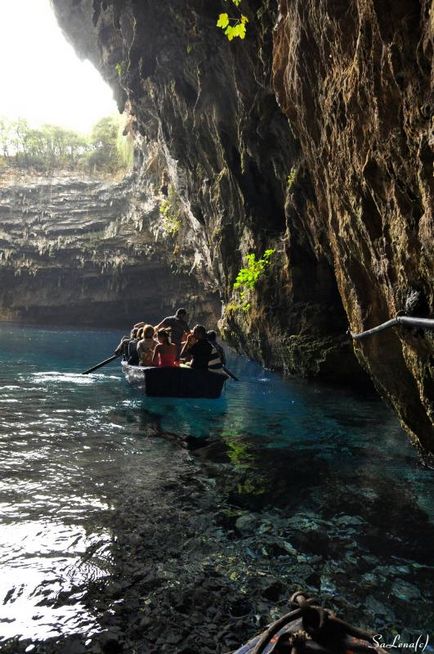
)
(5, 137)
(104, 153)
(51, 147)
(19, 133)
(76, 147)
(35, 146)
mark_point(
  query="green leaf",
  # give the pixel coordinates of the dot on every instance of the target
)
(239, 30)
(229, 31)
(223, 21)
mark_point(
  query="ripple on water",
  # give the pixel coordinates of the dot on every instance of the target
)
(64, 377)
(42, 562)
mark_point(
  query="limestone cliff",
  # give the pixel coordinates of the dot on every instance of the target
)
(77, 251)
(336, 176)
(212, 132)
(355, 80)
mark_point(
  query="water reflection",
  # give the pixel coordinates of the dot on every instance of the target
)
(41, 562)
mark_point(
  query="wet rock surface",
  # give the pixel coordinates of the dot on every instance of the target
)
(211, 559)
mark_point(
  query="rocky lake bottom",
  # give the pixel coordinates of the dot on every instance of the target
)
(138, 526)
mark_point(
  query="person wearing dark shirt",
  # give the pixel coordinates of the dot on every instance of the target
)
(198, 347)
(132, 354)
(122, 348)
(178, 326)
(212, 338)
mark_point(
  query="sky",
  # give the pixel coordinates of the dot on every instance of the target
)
(41, 77)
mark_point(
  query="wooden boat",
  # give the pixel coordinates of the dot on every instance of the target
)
(174, 382)
(312, 629)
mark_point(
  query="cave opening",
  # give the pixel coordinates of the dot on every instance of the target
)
(44, 81)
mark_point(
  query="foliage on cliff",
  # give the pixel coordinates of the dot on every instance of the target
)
(52, 148)
(170, 212)
(233, 26)
(248, 277)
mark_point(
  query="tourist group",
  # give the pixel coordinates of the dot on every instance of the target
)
(173, 343)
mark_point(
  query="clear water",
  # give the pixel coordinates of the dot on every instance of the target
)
(73, 446)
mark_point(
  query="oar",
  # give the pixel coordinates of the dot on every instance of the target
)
(231, 374)
(100, 365)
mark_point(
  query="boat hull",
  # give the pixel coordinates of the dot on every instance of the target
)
(174, 382)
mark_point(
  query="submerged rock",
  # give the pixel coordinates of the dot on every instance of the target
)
(404, 591)
(246, 522)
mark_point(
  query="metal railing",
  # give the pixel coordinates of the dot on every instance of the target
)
(423, 323)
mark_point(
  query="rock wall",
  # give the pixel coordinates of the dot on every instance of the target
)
(212, 131)
(355, 81)
(77, 251)
(335, 176)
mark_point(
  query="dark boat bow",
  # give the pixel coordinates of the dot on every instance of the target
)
(175, 382)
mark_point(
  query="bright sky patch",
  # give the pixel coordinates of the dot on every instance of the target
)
(42, 78)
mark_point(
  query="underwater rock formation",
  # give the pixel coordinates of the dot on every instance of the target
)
(328, 162)
(74, 251)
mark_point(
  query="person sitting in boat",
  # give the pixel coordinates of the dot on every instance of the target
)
(212, 338)
(132, 354)
(146, 345)
(166, 352)
(204, 355)
(122, 348)
(178, 326)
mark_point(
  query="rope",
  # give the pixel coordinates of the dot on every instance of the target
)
(319, 626)
(424, 323)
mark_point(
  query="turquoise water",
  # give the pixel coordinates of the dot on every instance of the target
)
(308, 459)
